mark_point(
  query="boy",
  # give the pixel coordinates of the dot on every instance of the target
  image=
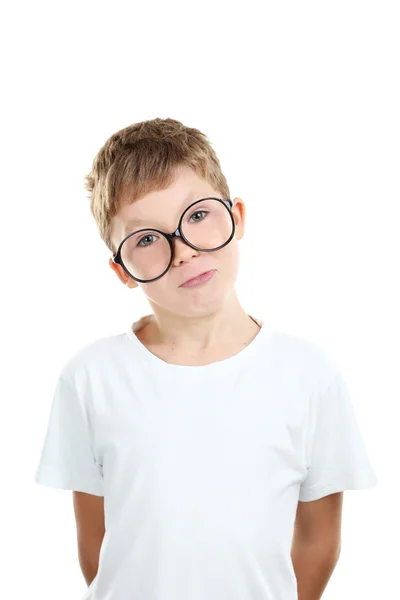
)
(220, 447)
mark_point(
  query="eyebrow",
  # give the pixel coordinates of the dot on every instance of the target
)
(133, 224)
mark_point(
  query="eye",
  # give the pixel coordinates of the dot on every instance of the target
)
(199, 212)
(145, 237)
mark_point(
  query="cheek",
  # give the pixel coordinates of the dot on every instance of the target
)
(157, 291)
(229, 259)
(164, 291)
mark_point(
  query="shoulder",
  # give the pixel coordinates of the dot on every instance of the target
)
(95, 357)
(312, 360)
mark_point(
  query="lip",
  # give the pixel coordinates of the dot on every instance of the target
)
(199, 279)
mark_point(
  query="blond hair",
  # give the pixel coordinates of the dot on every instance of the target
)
(142, 158)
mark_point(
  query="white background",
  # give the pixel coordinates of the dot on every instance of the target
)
(301, 103)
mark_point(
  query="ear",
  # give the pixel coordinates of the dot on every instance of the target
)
(239, 216)
(122, 275)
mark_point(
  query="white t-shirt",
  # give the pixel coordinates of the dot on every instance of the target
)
(201, 467)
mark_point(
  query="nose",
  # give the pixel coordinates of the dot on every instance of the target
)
(182, 251)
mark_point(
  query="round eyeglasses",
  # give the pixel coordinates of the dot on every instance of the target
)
(206, 225)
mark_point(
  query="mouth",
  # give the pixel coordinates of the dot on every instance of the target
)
(199, 279)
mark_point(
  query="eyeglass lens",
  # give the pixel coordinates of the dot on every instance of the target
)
(207, 225)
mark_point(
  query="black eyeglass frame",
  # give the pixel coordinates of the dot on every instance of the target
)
(177, 233)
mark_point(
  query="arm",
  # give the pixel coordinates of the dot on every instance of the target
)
(90, 527)
(316, 544)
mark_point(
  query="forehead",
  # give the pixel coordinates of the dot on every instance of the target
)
(158, 221)
(161, 209)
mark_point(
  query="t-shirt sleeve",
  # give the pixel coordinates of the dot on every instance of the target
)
(67, 459)
(337, 457)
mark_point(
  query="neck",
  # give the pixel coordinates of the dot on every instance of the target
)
(228, 325)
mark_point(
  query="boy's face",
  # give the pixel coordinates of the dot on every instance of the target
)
(162, 210)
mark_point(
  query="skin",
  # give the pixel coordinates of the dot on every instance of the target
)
(316, 544)
(188, 328)
(189, 322)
